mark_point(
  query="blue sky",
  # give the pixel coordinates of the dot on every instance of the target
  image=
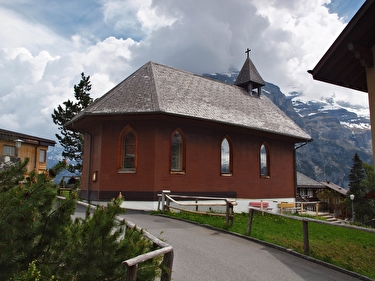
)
(46, 44)
(345, 8)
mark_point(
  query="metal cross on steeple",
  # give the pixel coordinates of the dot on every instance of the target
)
(248, 52)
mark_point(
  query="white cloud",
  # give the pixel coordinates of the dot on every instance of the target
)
(301, 33)
(17, 32)
(39, 67)
(135, 15)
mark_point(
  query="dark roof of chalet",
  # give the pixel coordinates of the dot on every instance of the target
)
(370, 195)
(156, 88)
(304, 181)
(249, 74)
(339, 64)
(335, 187)
(10, 135)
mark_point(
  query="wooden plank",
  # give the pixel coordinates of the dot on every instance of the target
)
(147, 256)
(198, 212)
(371, 230)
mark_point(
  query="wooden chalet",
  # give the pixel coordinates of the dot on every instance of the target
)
(334, 197)
(17, 146)
(330, 196)
(307, 188)
(163, 128)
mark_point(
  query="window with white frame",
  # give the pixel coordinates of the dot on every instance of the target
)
(9, 150)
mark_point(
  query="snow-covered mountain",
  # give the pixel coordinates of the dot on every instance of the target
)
(347, 114)
(54, 155)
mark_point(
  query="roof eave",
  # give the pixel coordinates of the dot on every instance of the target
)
(341, 43)
(75, 124)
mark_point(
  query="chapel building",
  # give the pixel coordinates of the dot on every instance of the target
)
(163, 128)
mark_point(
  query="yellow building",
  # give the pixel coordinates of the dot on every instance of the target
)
(16, 146)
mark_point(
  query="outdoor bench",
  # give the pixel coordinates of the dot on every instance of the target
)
(260, 205)
(286, 206)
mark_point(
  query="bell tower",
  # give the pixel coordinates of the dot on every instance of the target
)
(249, 77)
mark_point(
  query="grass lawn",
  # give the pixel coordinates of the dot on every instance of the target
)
(347, 248)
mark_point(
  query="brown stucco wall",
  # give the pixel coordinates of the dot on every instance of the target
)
(202, 175)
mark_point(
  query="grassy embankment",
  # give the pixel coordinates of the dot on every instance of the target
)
(347, 248)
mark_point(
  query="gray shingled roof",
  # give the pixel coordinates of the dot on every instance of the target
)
(156, 88)
(304, 181)
(335, 187)
(10, 135)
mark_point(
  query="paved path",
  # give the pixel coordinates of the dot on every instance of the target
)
(205, 254)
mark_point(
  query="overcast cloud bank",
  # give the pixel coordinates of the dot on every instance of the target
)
(44, 47)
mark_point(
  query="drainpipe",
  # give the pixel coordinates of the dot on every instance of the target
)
(89, 165)
(295, 163)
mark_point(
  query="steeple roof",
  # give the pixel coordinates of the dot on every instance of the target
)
(249, 75)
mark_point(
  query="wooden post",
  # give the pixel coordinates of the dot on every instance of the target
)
(317, 209)
(249, 224)
(370, 78)
(166, 268)
(196, 207)
(163, 199)
(159, 198)
(132, 273)
(261, 207)
(227, 214)
(306, 247)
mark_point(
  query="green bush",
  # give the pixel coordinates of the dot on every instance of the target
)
(40, 241)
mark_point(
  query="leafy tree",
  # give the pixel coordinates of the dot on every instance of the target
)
(40, 241)
(361, 181)
(72, 142)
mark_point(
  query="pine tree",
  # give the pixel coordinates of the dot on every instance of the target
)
(366, 207)
(361, 180)
(39, 240)
(357, 174)
(72, 142)
(29, 221)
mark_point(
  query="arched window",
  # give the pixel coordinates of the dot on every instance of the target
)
(264, 161)
(226, 157)
(177, 152)
(129, 150)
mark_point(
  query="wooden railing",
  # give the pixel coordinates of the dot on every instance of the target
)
(132, 264)
(167, 198)
(305, 221)
(165, 249)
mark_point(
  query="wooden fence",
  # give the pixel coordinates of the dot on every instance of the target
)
(167, 198)
(305, 226)
(132, 264)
